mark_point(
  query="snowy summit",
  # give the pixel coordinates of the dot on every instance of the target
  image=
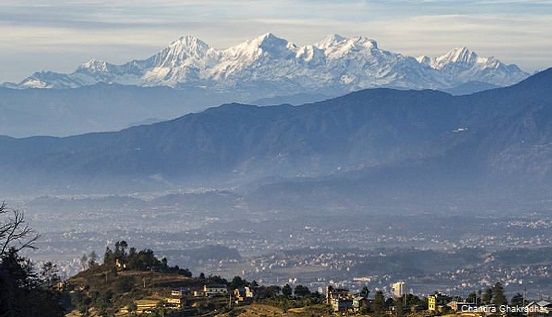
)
(270, 63)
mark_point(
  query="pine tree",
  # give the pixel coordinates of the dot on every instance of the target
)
(398, 303)
(365, 292)
(498, 295)
(472, 297)
(379, 302)
(287, 291)
(109, 258)
(487, 296)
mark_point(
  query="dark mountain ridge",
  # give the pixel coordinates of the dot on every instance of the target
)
(497, 135)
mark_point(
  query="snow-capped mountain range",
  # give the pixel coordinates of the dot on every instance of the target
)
(269, 65)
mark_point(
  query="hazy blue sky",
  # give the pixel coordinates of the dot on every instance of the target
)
(58, 35)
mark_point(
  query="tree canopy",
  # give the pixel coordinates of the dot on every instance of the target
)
(23, 290)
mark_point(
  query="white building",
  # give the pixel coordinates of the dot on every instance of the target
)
(212, 290)
(398, 289)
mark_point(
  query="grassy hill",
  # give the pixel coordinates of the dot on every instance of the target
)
(263, 310)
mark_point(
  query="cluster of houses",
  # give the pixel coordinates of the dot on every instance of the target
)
(239, 295)
(182, 298)
(211, 291)
(342, 300)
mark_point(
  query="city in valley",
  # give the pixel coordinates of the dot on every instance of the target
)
(129, 282)
(342, 257)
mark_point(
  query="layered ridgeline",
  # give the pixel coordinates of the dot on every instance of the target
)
(268, 66)
(190, 76)
(501, 136)
(102, 107)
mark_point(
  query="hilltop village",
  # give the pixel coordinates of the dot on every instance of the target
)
(129, 282)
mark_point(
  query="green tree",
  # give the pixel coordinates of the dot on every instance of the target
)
(413, 300)
(102, 301)
(472, 297)
(379, 302)
(92, 259)
(264, 292)
(124, 284)
(487, 296)
(301, 291)
(398, 304)
(498, 295)
(238, 282)
(84, 262)
(49, 274)
(120, 249)
(287, 291)
(109, 257)
(23, 292)
(365, 292)
(80, 302)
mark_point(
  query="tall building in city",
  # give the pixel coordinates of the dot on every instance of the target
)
(398, 289)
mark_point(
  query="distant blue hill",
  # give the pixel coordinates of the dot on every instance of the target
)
(296, 99)
(470, 88)
(100, 107)
(389, 137)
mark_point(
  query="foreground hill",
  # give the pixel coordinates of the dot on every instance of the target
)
(257, 310)
(501, 135)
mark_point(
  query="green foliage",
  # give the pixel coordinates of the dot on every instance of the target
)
(398, 303)
(144, 260)
(109, 258)
(472, 298)
(215, 279)
(285, 303)
(23, 292)
(498, 295)
(487, 296)
(124, 284)
(238, 282)
(379, 302)
(80, 301)
(302, 291)
(413, 300)
(265, 292)
(287, 290)
(365, 292)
